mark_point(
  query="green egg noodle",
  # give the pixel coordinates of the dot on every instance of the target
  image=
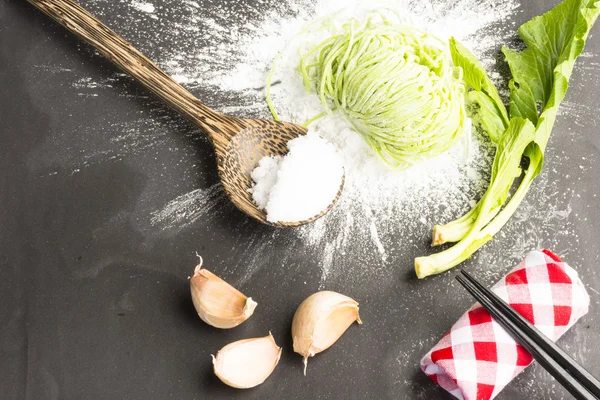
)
(394, 83)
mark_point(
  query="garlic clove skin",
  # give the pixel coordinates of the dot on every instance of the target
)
(217, 302)
(320, 321)
(247, 363)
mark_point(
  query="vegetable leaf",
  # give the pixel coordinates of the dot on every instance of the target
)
(492, 113)
(541, 72)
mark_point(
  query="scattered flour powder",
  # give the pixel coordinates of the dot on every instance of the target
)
(381, 211)
(383, 217)
(300, 185)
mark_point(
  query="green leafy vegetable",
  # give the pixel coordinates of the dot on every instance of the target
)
(541, 74)
(492, 113)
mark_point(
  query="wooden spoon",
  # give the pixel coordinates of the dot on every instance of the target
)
(239, 143)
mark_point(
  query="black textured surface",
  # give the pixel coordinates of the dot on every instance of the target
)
(94, 302)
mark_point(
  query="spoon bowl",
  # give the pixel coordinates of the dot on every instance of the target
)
(239, 143)
(261, 138)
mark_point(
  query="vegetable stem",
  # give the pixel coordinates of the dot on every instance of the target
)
(518, 136)
(454, 231)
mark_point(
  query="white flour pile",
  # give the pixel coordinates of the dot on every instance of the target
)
(383, 217)
(300, 185)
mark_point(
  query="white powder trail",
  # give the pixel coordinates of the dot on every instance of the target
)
(377, 241)
(186, 209)
(327, 263)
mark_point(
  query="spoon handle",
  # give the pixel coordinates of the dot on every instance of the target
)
(82, 23)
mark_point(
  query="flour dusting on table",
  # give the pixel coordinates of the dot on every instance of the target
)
(381, 211)
(383, 216)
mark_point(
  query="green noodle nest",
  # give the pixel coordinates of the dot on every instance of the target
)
(394, 83)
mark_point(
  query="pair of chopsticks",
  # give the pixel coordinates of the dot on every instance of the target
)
(572, 376)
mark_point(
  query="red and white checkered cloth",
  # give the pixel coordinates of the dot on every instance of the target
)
(477, 358)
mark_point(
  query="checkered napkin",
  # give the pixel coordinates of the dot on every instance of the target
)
(477, 358)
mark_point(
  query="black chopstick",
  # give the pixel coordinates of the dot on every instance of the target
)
(562, 358)
(578, 389)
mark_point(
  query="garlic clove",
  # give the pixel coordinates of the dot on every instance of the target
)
(217, 302)
(320, 321)
(247, 363)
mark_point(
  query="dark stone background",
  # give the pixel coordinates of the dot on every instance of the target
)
(95, 305)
